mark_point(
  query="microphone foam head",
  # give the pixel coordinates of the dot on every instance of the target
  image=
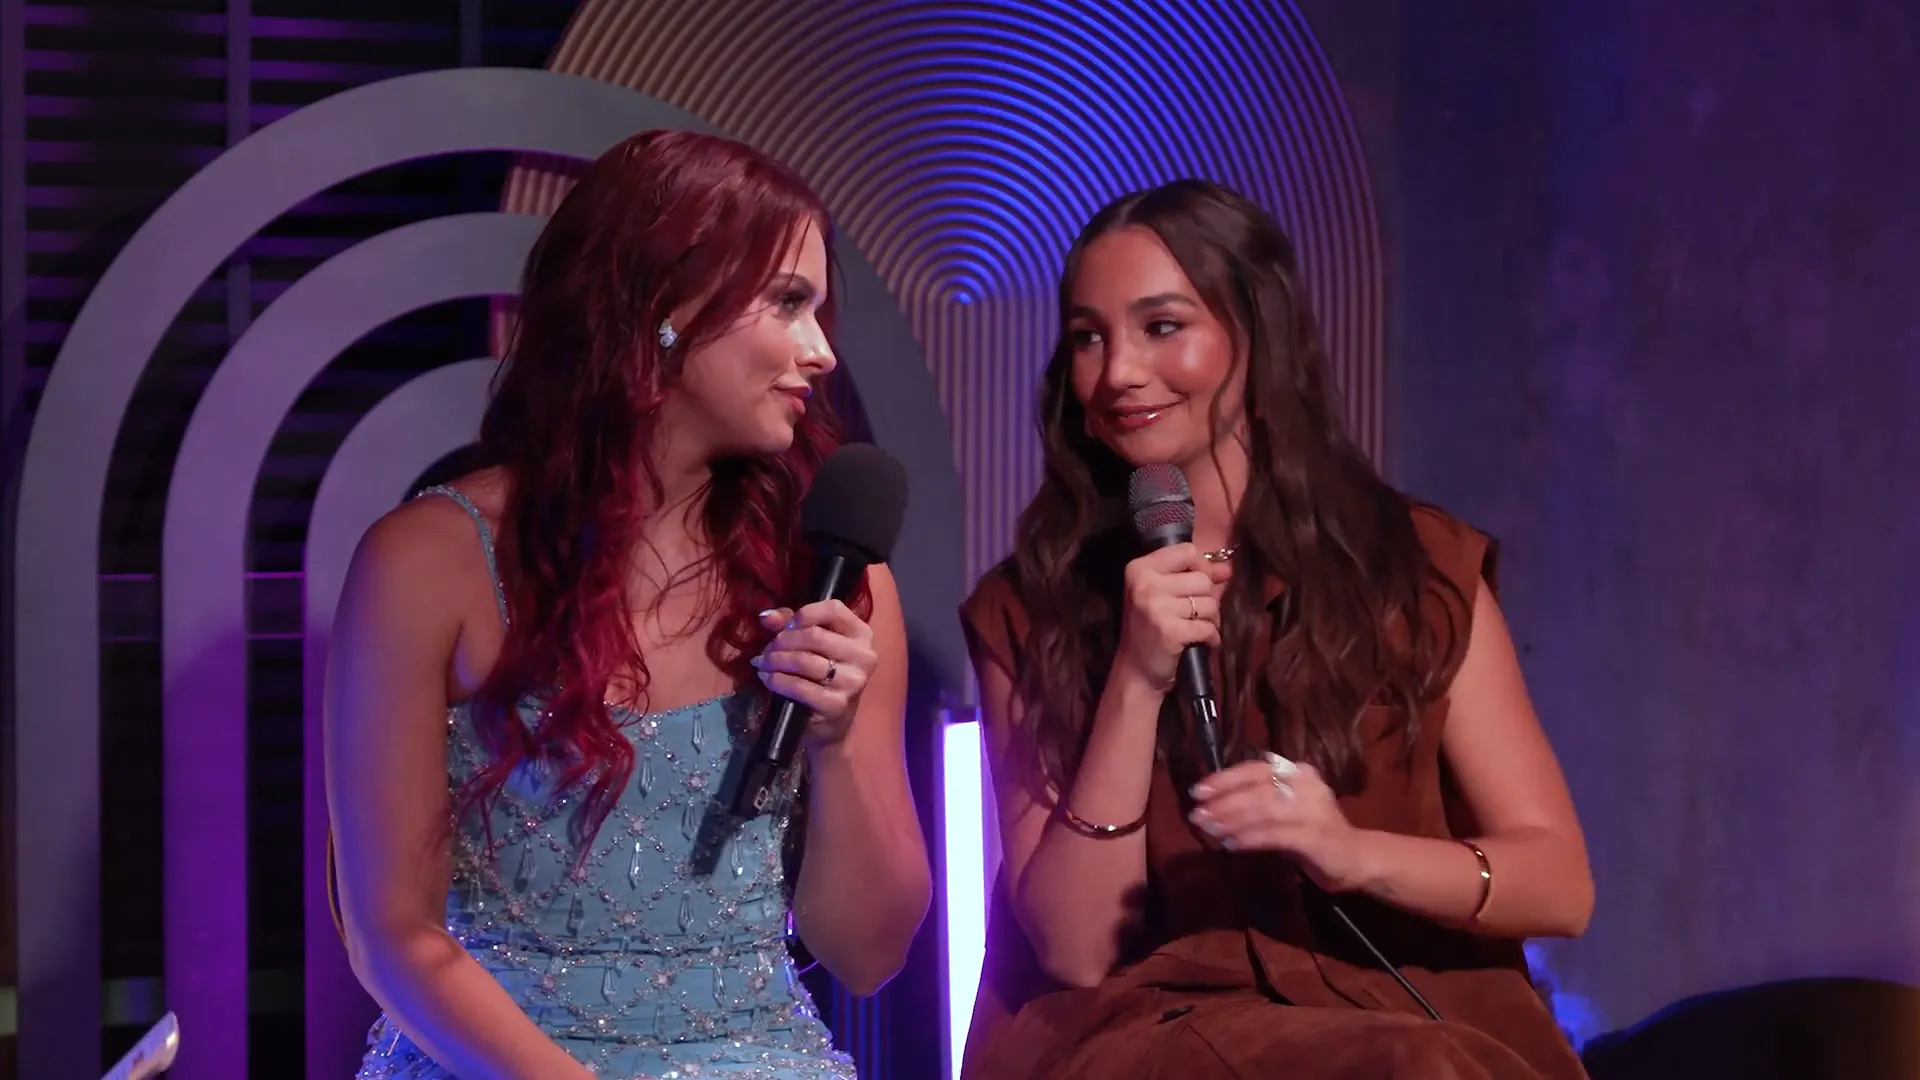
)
(1161, 503)
(858, 502)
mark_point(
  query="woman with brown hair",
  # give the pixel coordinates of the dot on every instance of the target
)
(1152, 919)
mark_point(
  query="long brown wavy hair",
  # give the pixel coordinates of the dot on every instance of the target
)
(1347, 629)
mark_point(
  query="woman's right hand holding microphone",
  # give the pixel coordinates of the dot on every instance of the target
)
(1172, 601)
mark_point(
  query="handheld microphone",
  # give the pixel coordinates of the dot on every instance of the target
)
(851, 517)
(1162, 506)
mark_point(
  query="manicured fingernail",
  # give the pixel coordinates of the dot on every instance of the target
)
(770, 611)
(1228, 843)
(759, 662)
(1201, 791)
(1205, 821)
(1281, 766)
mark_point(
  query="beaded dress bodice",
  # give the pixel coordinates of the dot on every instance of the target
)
(663, 951)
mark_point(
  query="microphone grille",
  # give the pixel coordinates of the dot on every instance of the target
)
(858, 501)
(1159, 498)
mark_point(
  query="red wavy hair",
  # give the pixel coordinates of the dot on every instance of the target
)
(663, 220)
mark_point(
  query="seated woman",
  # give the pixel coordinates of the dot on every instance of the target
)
(1156, 920)
(543, 672)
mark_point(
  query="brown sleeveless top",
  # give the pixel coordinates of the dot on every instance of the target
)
(1216, 925)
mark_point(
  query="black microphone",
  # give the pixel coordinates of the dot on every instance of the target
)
(850, 517)
(1164, 514)
(1162, 506)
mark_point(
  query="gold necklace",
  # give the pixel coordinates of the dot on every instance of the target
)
(1220, 556)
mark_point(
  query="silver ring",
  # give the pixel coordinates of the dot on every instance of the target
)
(1281, 771)
(1193, 608)
(833, 668)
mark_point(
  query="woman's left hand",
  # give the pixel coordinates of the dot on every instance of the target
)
(1272, 804)
(821, 657)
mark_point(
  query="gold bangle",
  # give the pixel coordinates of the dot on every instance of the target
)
(1099, 832)
(1486, 881)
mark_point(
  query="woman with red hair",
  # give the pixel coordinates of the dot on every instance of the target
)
(527, 731)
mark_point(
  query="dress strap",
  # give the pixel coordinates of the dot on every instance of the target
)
(486, 541)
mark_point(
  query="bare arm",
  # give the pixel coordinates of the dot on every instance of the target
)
(864, 882)
(1512, 784)
(1070, 890)
(393, 642)
(1074, 892)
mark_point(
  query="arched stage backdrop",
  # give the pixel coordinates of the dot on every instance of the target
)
(958, 155)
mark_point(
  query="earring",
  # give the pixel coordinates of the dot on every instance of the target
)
(668, 335)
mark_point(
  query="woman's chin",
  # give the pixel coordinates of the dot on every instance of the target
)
(777, 439)
(1142, 448)
(768, 442)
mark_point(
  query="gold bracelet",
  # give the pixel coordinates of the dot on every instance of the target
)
(1486, 881)
(1099, 832)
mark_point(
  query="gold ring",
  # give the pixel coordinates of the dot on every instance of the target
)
(1193, 608)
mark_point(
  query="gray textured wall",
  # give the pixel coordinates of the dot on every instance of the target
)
(1654, 273)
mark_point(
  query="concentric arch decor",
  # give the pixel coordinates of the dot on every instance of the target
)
(56, 656)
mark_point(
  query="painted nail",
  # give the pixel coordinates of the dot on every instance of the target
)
(759, 662)
(1281, 766)
(770, 611)
(1200, 791)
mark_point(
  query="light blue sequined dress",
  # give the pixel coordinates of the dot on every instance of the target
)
(663, 953)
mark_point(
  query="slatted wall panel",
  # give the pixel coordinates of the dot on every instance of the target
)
(122, 102)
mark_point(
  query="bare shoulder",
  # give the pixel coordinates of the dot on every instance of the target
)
(487, 489)
(427, 552)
